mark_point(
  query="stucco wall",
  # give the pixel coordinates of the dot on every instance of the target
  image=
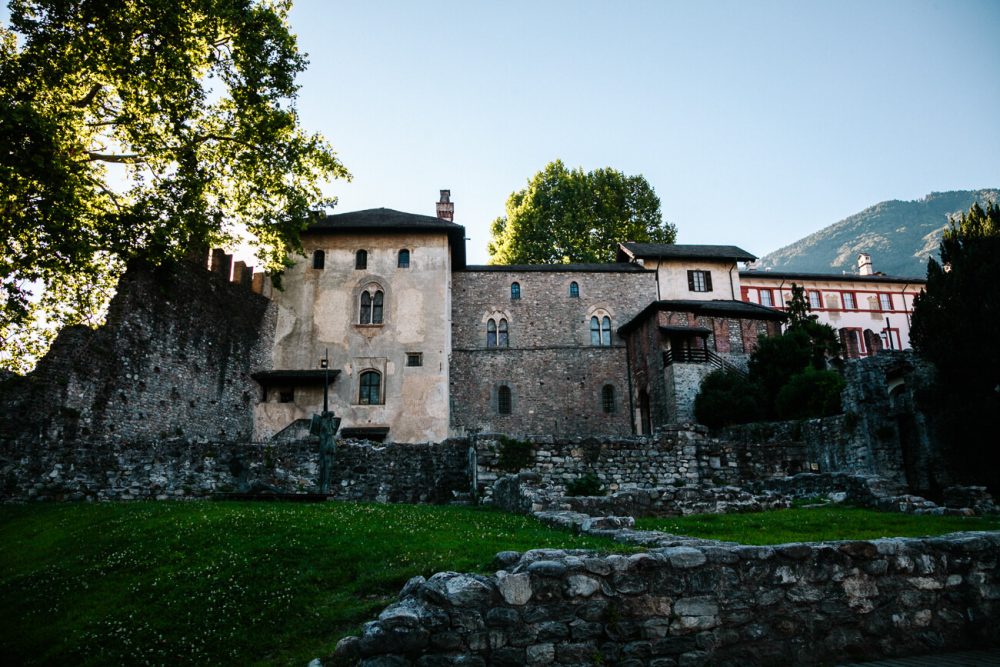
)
(319, 311)
(674, 281)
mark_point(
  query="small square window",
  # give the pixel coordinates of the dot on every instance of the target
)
(414, 359)
(286, 396)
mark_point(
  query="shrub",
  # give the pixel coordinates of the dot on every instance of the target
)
(585, 485)
(811, 393)
(514, 454)
(726, 397)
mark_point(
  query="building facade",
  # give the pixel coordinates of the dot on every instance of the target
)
(407, 343)
(870, 311)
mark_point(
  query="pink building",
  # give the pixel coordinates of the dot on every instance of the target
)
(869, 310)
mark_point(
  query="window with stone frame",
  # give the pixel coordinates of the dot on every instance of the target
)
(699, 281)
(515, 291)
(319, 259)
(504, 403)
(372, 306)
(497, 334)
(361, 259)
(574, 290)
(403, 262)
(600, 331)
(370, 388)
(608, 399)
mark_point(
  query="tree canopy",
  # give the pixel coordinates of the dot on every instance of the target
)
(143, 128)
(956, 323)
(575, 216)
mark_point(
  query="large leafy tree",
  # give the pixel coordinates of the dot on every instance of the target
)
(956, 324)
(143, 128)
(575, 216)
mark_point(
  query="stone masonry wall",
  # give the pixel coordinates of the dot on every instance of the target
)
(173, 360)
(555, 374)
(699, 603)
(677, 455)
(89, 470)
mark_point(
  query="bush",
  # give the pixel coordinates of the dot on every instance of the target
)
(811, 393)
(727, 397)
(514, 455)
(586, 485)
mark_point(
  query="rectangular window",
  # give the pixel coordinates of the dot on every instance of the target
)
(700, 281)
(848, 298)
(414, 359)
(814, 300)
(885, 301)
(765, 298)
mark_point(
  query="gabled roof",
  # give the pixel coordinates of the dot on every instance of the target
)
(616, 267)
(831, 277)
(724, 307)
(630, 250)
(390, 221)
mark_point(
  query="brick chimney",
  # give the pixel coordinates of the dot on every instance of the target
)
(445, 209)
(865, 264)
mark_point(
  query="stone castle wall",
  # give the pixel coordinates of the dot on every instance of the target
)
(555, 375)
(173, 360)
(178, 469)
(698, 603)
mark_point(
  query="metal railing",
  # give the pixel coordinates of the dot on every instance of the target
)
(699, 356)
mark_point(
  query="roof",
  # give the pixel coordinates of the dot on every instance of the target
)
(724, 307)
(390, 221)
(678, 251)
(615, 267)
(841, 277)
(701, 331)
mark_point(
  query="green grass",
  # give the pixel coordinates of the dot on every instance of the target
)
(226, 583)
(813, 525)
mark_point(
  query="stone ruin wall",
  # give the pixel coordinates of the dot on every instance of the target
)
(173, 360)
(180, 469)
(697, 604)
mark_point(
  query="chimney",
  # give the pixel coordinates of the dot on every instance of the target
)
(445, 209)
(865, 264)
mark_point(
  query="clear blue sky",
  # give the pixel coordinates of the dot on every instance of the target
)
(756, 122)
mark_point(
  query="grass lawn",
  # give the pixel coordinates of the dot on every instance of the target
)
(205, 583)
(814, 525)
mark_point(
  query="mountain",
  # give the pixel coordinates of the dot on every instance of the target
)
(899, 235)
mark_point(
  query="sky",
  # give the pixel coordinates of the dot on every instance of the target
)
(756, 122)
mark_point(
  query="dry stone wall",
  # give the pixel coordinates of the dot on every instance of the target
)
(177, 469)
(698, 603)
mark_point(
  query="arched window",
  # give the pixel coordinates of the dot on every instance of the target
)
(574, 290)
(404, 259)
(370, 392)
(503, 400)
(496, 332)
(319, 259)
(600, 331)
(491, 333)
(515, 290)
(361, 259)
(608, 398)
(372, 301)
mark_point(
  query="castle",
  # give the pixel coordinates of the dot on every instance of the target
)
(415, 345)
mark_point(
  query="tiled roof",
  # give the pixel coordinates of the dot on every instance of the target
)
(612, 267)
(749, 276)
(724, 307)
(387, 220)
(677, 251)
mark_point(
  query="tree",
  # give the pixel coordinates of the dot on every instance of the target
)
(572, 216)
(140, 128)
(956, 323)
